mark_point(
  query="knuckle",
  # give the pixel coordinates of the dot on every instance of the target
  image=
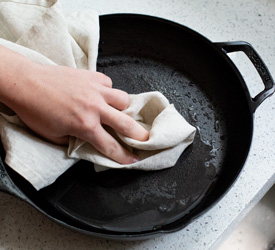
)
(84, 126)
(127, 124)
(90, 126)
(112, 149)
(108, 81)
(105, 79)
(125, 99)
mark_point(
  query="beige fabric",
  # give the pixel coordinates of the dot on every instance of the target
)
(39, 30)
(170, 134)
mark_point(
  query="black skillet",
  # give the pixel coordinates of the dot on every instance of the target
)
(142, 53)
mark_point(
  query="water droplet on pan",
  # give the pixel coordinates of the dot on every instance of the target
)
(217, 126)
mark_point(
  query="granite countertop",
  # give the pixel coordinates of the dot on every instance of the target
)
(23, 227)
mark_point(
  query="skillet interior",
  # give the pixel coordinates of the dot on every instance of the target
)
(143, 54)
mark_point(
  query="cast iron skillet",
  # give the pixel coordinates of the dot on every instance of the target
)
(142, 53)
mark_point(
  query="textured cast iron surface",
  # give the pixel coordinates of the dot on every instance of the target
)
(144, 54)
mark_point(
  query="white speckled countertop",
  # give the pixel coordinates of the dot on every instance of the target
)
(22, 227)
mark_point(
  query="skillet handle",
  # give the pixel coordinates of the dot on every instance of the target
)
(258, 63)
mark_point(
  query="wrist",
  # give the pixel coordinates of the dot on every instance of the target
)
(16, 72)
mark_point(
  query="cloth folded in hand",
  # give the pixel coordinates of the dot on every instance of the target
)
(46, 36)
(169, 135)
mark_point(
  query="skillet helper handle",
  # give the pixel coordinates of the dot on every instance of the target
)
(258, 63)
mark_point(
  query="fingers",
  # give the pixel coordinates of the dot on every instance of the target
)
(116, 98)
(124, 124)
(101, 78)
(108, 146)
(109, 114)
(120, 122)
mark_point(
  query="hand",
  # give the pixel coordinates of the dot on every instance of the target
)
(57, 102)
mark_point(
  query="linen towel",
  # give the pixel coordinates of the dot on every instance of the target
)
(39, 30)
